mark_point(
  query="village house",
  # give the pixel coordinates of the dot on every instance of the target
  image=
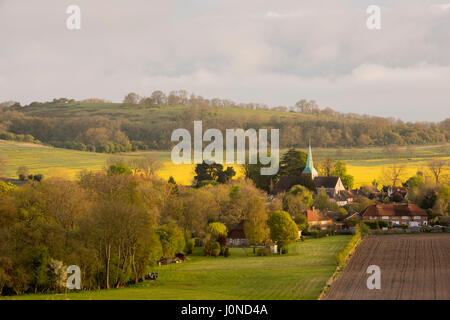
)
(396, 214)
(317, 219)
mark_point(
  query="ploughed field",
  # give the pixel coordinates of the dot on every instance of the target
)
(412, 267)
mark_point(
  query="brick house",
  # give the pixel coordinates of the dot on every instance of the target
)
(396, 214)
(318, 219)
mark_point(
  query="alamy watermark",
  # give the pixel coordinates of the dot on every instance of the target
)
(73, 22)
(74, 280)
(374, 280)
(214, 151)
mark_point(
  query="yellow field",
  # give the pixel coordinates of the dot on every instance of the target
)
(67, 163)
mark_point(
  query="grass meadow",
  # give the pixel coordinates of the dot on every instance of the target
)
(299, 275)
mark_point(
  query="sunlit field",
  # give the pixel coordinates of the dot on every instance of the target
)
(300, 274)
(68, 163)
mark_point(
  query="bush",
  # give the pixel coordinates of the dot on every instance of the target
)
(227, 252)
(190, 244)
(342, 255)
(283, 247)
(318, 233)
(198, 242)
(263, 252)
(215, 252)
(364, 229)
(302, 238)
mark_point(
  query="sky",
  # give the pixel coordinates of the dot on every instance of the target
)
(272, 52)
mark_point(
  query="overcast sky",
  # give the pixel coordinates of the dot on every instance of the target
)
(273, 52)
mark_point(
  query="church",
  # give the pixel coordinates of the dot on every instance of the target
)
(332, 185)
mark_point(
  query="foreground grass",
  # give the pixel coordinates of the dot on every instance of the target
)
(301, 274)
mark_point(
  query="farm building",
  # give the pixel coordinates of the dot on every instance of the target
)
(396, 214)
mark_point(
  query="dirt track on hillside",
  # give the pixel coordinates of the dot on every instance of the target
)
(413, 267)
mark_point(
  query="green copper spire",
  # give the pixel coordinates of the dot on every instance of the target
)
(309, 165)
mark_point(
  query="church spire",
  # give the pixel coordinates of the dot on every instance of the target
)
(309, 169)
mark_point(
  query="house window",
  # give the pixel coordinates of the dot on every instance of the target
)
(324, 222)
(373, 218)
(385, 217)
(405, 217)
(417, 217)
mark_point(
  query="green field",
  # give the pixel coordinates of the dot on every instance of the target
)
(364, 164)
(301, 274)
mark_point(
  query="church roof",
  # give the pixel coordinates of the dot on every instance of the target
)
(326, 182)
(309, 169)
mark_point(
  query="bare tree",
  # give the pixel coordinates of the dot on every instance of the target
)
(393, 173)
(437, 167)
(147, 166)
(326, 167)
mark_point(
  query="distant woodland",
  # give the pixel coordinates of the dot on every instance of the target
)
(146, 123)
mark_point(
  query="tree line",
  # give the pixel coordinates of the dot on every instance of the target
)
(110, 132)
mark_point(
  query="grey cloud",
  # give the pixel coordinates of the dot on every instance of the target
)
(254, 50)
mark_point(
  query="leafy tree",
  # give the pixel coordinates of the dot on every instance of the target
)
(131, 98)
(282, 227)
(171, 238)
(292, 163)
(253, 172)
(39, 259)
(415, 181)
(255, 226)
(212, 172)
(302, 222)
(322, 200)
(297, 200)
(340, 170)
(119, 168)
(217, 229)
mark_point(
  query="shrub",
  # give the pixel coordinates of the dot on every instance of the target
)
(342, 255)
(215, 252)
(198, 242)
(227, 252)
(364, 229)
(303, 238)
(263, 252)
(283, 247)
(190, 244)
(318, 233)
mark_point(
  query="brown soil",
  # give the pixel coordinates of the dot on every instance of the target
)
(413, 267)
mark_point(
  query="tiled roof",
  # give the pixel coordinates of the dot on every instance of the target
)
(237, 232)
(394, 210)
(285, 183)
(316, 215)
(326, 182)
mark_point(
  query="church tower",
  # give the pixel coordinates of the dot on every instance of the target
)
(309, 169)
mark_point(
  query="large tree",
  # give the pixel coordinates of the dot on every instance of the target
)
(282, 227)
(292, 163)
